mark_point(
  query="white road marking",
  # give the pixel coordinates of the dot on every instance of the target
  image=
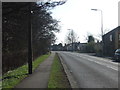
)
(112, 67)
(98, 61)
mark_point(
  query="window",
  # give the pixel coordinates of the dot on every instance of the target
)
(110, 37)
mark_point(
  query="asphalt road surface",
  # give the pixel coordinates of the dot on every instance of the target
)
(90, 71)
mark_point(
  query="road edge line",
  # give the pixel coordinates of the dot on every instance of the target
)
(71, 79)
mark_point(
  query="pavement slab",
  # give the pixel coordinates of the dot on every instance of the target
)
(40, 77)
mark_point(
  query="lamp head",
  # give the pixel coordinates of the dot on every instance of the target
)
(94, 9)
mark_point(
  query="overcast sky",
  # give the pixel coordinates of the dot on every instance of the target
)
(77, 15)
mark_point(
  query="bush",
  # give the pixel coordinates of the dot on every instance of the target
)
(90, 47)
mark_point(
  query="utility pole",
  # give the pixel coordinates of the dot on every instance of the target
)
(29, 40)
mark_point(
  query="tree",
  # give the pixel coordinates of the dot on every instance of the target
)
(15, 31)
(98, 49)
(91, 44)
(71, 36)
(91, 39)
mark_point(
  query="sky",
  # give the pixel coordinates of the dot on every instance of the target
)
(77, 15)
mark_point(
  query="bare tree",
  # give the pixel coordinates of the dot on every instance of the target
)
(71, 36)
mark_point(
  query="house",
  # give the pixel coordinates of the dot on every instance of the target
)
(69, 47)
(111, 41)
(57, 47)
(72, 46)
(76, 46)
(82, 47)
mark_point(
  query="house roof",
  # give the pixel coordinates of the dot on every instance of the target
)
(117, 28)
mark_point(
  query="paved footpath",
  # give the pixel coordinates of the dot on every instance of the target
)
(40, 77)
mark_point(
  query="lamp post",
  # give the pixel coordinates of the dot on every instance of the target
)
(101, 20)
(101, 25)
(29, 41)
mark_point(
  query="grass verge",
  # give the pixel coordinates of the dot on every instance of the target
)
(12, 78)
(58, 78)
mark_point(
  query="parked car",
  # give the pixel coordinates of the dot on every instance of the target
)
(117, 54)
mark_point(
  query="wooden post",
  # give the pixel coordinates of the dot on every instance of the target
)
(29, 41)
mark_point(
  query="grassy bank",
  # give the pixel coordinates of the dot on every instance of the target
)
(58, 78)
(12, 78)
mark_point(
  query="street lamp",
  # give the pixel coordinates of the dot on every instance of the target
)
(101, 25)
(101, 20)
(29, 40)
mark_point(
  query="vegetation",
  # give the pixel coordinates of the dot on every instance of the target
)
(12, 78)
(90, 45)
(15, 22)
(98, 49)
(93, 47)
(71, 36)
(58, 77)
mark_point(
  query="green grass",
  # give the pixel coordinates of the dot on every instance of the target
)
(15, 76)
(58, 77)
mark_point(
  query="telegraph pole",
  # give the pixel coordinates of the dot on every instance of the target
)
(29, 40)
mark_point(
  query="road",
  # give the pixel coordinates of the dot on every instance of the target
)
(90, 71)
